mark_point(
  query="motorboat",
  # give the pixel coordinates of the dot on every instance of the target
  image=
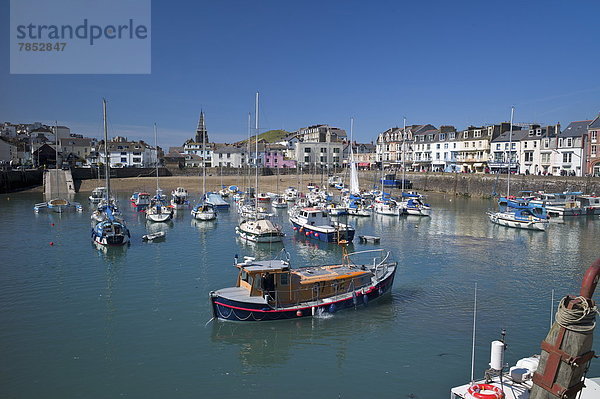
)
(335, 209)
(204, 211)
(259, 230)
(356, 206)
(560, 204)
(290, 194)
(97, 195)
(316, 224)
(272, 290)
(159, 235)
(263, 197)
(590, 204)
(279, 202)
(179, 198)
(141, 201)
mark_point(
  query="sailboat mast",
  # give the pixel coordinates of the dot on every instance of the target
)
(156, 148)
(203, 164)
(106, 159)
(256, 149)
(512, 114)
(248, 145)
(56, 161)
(403, 156)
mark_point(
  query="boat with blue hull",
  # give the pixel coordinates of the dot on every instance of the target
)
(272, 290)
(315, 223)
(216, 200)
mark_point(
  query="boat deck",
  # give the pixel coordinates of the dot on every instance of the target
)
(240, 294)
(328, 273)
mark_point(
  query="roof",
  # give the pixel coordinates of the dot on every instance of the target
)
(517, 135)
(126, 145)
(576, 129)
(228, 150)
(76, 141)
(595, 123)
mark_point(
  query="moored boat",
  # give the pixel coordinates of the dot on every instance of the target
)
(316, 224)
(259, 230)
(97, 195)
(179, 198)
(272, 290)
(204, 211)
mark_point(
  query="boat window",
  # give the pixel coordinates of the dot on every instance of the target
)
(244, 275)
(284, 279)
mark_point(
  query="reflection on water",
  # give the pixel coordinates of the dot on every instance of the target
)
(136, 315)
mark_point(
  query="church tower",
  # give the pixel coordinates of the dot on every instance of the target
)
(201, 133)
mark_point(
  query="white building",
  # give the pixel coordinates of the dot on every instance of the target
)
(123, 153)
(199, 149)
(319, 146)
(230, 157)
(8, 152)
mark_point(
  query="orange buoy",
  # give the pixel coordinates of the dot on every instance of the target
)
(485, 391)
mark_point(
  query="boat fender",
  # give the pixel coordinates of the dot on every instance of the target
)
(307, 233)
(476, 391)
(332, 308)
(299, 313)
(317, 235)
(354, 299)
(365, 300)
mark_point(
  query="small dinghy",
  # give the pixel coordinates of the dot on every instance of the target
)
(154, 236)
(373, 239)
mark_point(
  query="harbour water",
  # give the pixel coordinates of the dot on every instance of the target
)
(78, 322)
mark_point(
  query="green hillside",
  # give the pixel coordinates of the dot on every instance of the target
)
(271, 136)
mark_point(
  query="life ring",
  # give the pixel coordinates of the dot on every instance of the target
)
(494, 392)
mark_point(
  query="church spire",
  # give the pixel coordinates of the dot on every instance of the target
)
(201, 133)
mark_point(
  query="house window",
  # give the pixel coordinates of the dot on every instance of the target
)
(466, 144)
(123, 153)
(454, 145)
(546, 143)
(524, 144)
(445, 146)
(307, 149)
(594, 150)
(477, 133)
(545, 158)
(560, 142)
(513, 146)
(567, 157)
(465, 135)
(506, 146)
(594, 136)
(531, 132)
(437, 155)
(307, 159)
(535, 144)
(452, 135)
(123, 160)
(437, 146)
(442, 136)
(336, 150)
(569, 142)
(323, 150)
(137, 153)
(529, 156)
(538, 132)
(137, 160)
(498, 146)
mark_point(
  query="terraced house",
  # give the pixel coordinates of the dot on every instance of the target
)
(592, 148)
(395, 146)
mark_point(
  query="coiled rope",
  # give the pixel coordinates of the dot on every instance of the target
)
(582, 318)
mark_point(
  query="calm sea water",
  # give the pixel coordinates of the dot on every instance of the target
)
(76, 322)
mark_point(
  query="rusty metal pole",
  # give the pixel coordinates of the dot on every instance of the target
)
(567, 351)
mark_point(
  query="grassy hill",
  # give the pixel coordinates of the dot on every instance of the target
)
(271, 136)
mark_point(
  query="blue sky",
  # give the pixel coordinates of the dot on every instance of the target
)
(436, 62)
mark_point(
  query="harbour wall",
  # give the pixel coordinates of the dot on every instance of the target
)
(489, 185)
(15, 180)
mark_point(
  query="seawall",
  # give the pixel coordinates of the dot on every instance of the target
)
(489, 185)
(15, 180)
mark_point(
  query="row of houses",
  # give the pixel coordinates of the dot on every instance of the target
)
(524, 149)
(497, 148)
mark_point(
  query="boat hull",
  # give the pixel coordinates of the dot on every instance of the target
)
(517, 224)
(260, 238)
(319, 235)
(227, 309)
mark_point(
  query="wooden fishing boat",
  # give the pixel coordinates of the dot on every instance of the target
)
(272, 290)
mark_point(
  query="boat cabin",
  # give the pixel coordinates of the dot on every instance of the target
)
(314, 216)
(280, 285)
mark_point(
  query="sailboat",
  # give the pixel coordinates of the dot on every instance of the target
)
(279, 201)
(384, 204)
(110, 229)
(517, 214)
(57, 204)
(256, 228)
(411, 203)
(204, 210)
(158, 210)
(355, 205)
